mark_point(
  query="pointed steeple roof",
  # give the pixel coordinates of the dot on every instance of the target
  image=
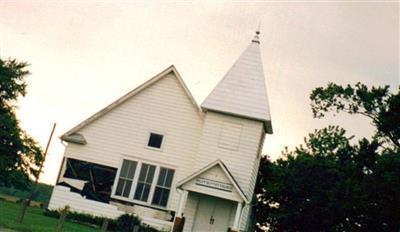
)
(242, 91)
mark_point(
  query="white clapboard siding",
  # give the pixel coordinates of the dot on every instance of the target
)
(190, 211)
(162, 107)
(242, 161)
(190, 143)
(62, 196)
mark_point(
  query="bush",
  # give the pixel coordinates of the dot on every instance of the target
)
(125, 222)
(51, 213)
(77, 217)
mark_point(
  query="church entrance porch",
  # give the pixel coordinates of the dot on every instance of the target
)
(198, 212)
(215, 201)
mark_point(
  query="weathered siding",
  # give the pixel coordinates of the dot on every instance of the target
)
(163, 107)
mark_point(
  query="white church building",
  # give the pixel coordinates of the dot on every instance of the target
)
(157, 154)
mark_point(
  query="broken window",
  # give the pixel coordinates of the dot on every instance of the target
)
(99, 179)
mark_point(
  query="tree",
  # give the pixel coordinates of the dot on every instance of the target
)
(377, 104)
(19, 153)
(330, 183)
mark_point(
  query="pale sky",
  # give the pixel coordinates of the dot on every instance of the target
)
(84, 55)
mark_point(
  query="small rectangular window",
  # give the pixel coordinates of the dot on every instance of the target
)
(126, 178)
(163, 188)
(144, 183)
(155, 140)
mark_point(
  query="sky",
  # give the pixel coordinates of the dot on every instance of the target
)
(85, 54)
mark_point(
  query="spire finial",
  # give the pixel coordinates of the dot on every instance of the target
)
(256, 38)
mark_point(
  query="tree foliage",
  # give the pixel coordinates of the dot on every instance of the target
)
(331, 183)
(19, 153)
(376, 103)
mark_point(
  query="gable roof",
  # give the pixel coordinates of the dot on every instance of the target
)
(242, 91)
(226, 171)
(171, 69)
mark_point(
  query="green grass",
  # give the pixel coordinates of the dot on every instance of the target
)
(42, 192)
(34, 220)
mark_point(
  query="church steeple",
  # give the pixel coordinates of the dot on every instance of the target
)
(242, 91)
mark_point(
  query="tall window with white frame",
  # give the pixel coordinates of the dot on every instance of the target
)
(144, 183)
(163, 187)
(136, 178)
(125, 180)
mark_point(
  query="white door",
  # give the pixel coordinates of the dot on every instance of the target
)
(212, 214)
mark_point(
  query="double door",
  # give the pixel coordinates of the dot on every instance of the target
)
(212, 215)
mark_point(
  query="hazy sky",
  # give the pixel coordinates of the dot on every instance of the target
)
(84, 55)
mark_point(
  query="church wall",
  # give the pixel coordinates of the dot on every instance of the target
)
(239, 153)
(242, 159)
(163, 108)
(190, 211)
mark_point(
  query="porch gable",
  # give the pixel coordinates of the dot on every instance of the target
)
(214, 180)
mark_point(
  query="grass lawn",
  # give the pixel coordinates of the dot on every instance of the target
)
(34, 220)
(15, 199)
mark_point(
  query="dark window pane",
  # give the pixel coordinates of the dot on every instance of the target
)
(143, 172)
(164, 197)
(127, 189)
(170, 176)
(150, 174)
(155, 140)
(120, 186)
(161, 177)
(156, 196)
(124, 168)
(132, 169)
(139, 190)
(145, 192)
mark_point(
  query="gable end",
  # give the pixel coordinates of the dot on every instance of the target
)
(124, 98)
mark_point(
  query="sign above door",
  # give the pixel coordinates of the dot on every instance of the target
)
(214, 184)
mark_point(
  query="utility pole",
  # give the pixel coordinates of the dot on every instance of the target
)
(26, 203)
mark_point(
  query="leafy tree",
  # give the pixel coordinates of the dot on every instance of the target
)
(19, 153)
(377, 104)
(331, 183)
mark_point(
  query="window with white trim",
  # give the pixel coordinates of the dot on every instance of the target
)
(143, 182)
(163, 187)
(155, 140)
(125, 179)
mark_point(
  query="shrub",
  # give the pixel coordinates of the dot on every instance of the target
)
(77, 217)
(125, 222)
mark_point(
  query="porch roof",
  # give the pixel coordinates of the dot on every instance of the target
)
(224, 169)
